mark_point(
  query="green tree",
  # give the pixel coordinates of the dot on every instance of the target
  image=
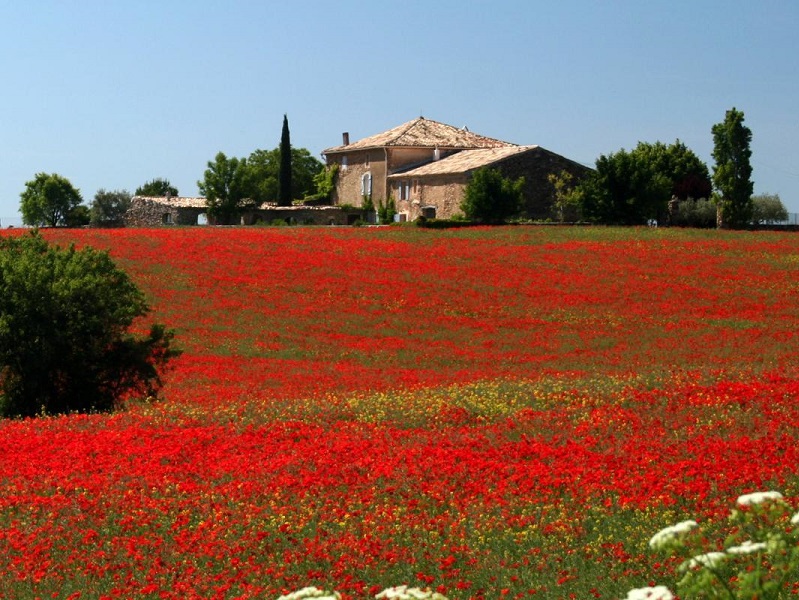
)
(64, 340)
(226, 186)
(566, 196)
(732, 174)
(630, 187)
(768, 208)
(108, 208)
(48, 200)
(157, 188)
(264, 167)
(284, 190)
(491, 198)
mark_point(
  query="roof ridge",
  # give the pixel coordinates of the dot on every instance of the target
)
(410, 125)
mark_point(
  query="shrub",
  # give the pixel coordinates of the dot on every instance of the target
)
(64, 340)
(695, 213)
(491, 198)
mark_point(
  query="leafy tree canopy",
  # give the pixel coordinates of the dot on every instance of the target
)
(768, 208)
(227, 186)
(64, 340)
(630, 187)
(264, 166)
(491, 198)
(732, 174)
(157, 188)
(109, 207)
(49, 200)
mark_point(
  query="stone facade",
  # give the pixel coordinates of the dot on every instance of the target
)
(427, 192)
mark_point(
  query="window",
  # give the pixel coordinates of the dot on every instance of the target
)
(343, 163)
(404, 190)
(166, 218)
(366, 184)
(366, 160)
(429, 212)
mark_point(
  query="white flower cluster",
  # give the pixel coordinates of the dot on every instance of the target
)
(747, 547)
(758, 498)
(795, 519)
(658, 592)
(403, 592)
(311, 592)
(664, 536)
(709, 560)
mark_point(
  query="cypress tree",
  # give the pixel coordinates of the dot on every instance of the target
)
(284, 175)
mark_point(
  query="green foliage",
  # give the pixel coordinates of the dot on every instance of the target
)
(695, 213)
(367, 204)
(768, 209)
(64, 341)
(567, 197)
(264, 167)
(491, 198)
(78, 216)
(628, 188)
(108, 208)
(325, 182)
(386, 210)
(732, 174)
(758, 558)
(157, 188)
(226, 186)
(284, 189)
(48, 201)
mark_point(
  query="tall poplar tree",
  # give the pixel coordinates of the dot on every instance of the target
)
(732, 174)
(284, 175)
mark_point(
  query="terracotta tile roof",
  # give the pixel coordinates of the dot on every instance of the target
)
(463, 162)
(423, 133)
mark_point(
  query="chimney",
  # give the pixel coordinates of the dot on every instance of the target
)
(345, 138)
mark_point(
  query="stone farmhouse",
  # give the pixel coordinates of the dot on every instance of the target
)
(424, 166)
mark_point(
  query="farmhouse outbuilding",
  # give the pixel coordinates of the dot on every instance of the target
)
(148, 211)
(424, 166)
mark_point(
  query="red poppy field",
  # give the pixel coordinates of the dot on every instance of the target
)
(491, 412)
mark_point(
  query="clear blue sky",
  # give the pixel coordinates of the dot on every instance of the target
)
(113, 93)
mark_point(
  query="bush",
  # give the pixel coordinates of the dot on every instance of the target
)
(695, 213)
(64, 340)
(492, 198)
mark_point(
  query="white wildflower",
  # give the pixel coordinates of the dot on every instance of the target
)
(757, 498)
(311, 592)
(795, 519)
(747, 547)
(669, 533)
(659, 592)
(709, 560)
(403, 592)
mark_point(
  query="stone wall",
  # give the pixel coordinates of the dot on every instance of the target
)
(155, 212)
(158, 212)
(536, 166)
(348, 180)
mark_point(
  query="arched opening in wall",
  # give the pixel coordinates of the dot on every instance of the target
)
(166, 219)
(429, 212)
(202, 219)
